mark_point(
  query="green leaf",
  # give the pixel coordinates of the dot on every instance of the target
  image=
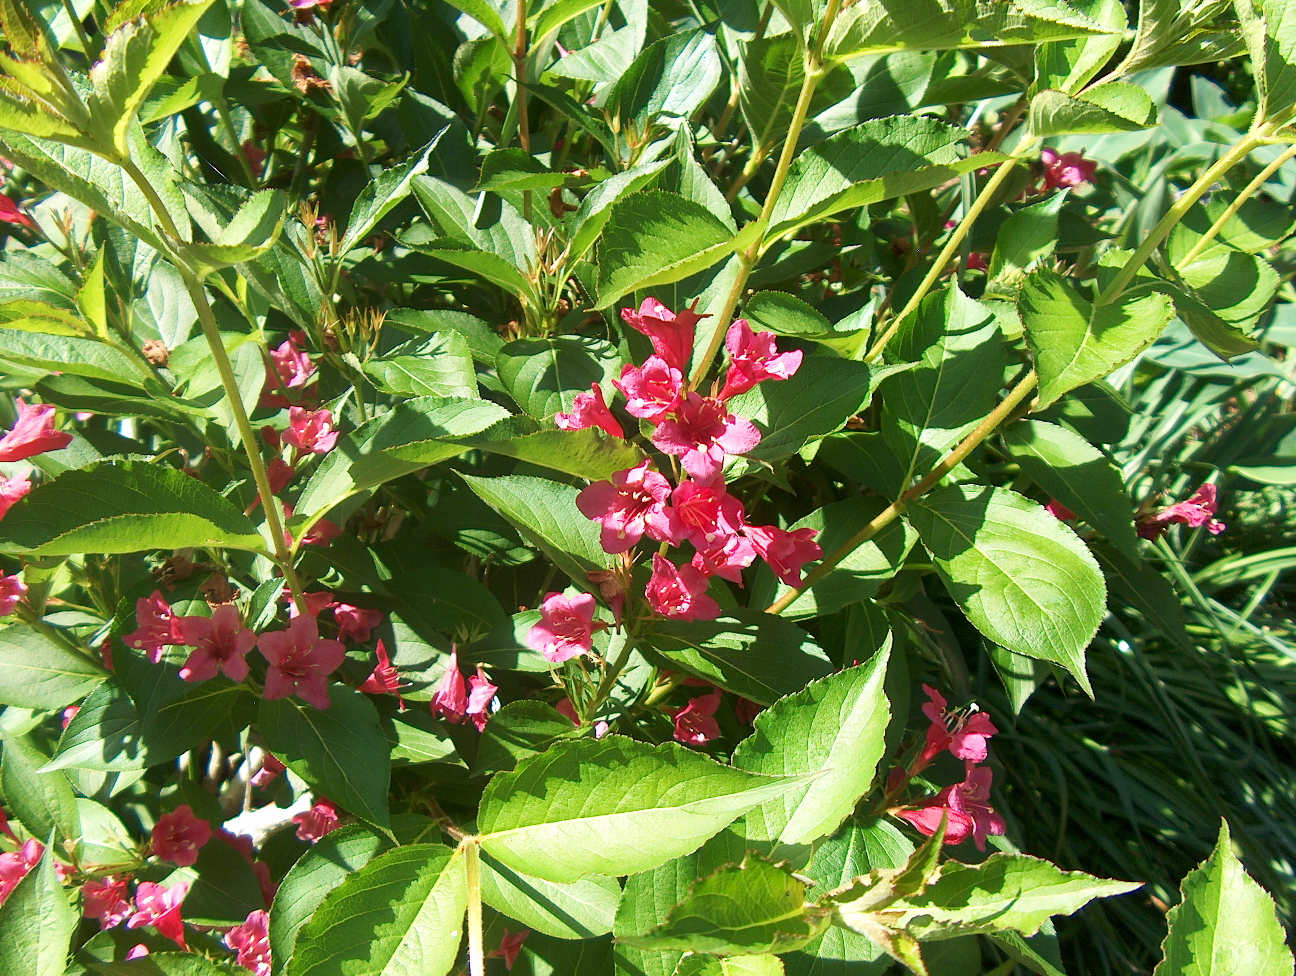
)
(1078, 475)
(518, 730)
(834, 731)
(445, 600)
(789, 316)
(757, 655)
(543, 376)
(340, 751)
(39, 672)
(43, 801)
(1267, 30)
(762, 965)
(655, 238)
(671, 78)
(382, 195)
(580, 909)
(773, 69)
(126, 506)
(28, 315)
(1147, 589)
(1021, 576)
(556, 14)
(223, 888)
(1067, 66)
(1225, 923)
(36, 924)
(1075, 342)
(495, 269)
(161, 964)
(67, 354)
(613, 806)
(1173, 32)
(742, 909)
(485, 13)
(104, 733)
(439, 365)
(516, 169)
(403, 912)
(1029, 235)
(1114, 107)
(596, 208)
(587, 453)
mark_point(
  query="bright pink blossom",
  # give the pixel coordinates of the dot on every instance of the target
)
(251, 941)
(220, 643)
(632, 503)
(320, 819)
(310, 431)
(702, 434)
(4, 826)
(451, 698)
(385, 680)
(709, 513)
(158, 627)
(356, 623)
(15, 865)
(1197, 511)
(480, 694)
(786, 552)
(679, 591)
(178, 835)
(695, 723)
(967, 805)
(317, 601)
(671, 333)
(11, 491)
(727, 559)
(160, 908)
(566, 627)
(321, 533)
(12, 589)
(11, 213)
(509, 947)
(137, 952)
(300, 661)
(754, 358)
(33, 433)
(268, 773)
(964, 734)
(106, 899)
(651, 390)
(590, 410)
(1066, 169)
(1059, 511)
(291, 364)
(69, 714)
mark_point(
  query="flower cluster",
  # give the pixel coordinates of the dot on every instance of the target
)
(33, 433)
(455, 701)
(1064, 170)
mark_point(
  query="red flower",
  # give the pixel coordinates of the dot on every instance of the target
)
(965, 736)
(317, 601)
(509, 947)
(384, 680)
(753, 358)
(106, 899)
(1059, 511)
(1197, 511)
(220, 643)
(310, 431)
(178, 835)
(300, 661)
(158, 627)
(746, 710)
(12, 589)
(651, 390)
(251, 941)
(589, 410)
(632, 503)
(160, 908)
(702, 434)
(671, 334)
(319, 820)
(356, 623)
(786, 552)
(480, 694)
(292, 367)
(695, 723)
(256, 157)
(967, 805)
(1066, 169)
(10, 213)
(977, 261)
(15, 865)
(33, 433)
(268, 773)
(321, 534)
(709, 514)
(566, 627)
(11, 491)
(679, 592)
(280, 475)
(726, 560)
(451, 698)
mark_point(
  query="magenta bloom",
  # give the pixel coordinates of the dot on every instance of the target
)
(1059, 511)
(251, 941)
(964, 735)
(679, 592)
(356, 623)
(291, 364)
(451, 698)
(12, 490)
(1197, 511)
(317, 601)
(33, 433)
(786, 552)
(480, 694)
(651, 390)
(310, 431)
(632, 503)
(671, 334)
(709, 513)
(695, 723)
(158, 626)
(280, 475)
(160, 908)
(509, 947)
(11, 213)
(220, 643)
(321, 534)
(106, 899)
(12, 589)
(566, 627)
(320, 819)
(589, 410)
(178, 835)
(385, 680)
(967, 805)
(753, 358)
(1066, 169)
(702, 434)
(268, 773)
(300, 661)
(727, 559)
(15, 865)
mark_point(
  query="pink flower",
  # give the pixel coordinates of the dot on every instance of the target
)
(220, 643)
(321, 534)
(251, 941)
(292, 367)
(679, 592)
(727, 559)
(968, 806)
(69, 714)
(509, 947)
(695, 723)
(15, 865)
(753, 358)
(319, 820)
(280, 475)
(589, 410)
(566, 627)
(310, 431)
(317, 601)
(178, 835)
(12, 589)
(300, 661)
(786, 552)
(160, 908)
(107, 900)
(304, 11)
(702, 434)
(1197, 511)
(269, 771)
(709, 514)
(964, 735)
(671, 334)
(1059, 511)
(1066, 169)
(568, 709)
(33, 433)
(158, 627)
(10, 213)
(480, 694)
(611, 586)
(632, 503)
(256, 157)
(746, 710)
(384, 680)
(5, 828)
(356, 623)
(138, 952)
(451, 698)
(977, 261)
(11, 491)
(651, 390)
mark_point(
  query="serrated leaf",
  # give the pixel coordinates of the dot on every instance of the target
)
(815, 401)
(104, 733)
(39, 672)
(587, 453)
(36, 923)
(672, 77)
(580, 909)
(1116, 106)
(440, 365)
(382, 195)
(1028, 236)
(28, 315)
(42, 800)
(544, 376)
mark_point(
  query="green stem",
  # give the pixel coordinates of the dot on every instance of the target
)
(1247, 192)
(610, 674)
(476, 948)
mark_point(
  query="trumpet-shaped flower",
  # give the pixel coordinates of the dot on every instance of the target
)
(300, 661)
(590, 410)
(679, 591)
(566, 627)
(631, 504)
(33, 433)
(754, 358)
(702, 433)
